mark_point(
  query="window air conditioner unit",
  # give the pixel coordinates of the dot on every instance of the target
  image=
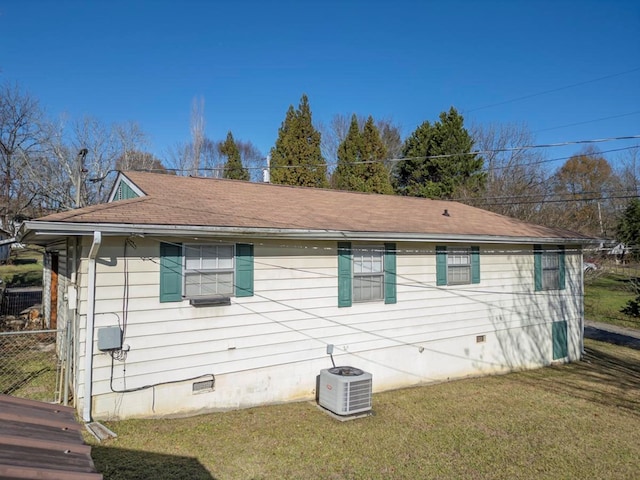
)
(345, 390)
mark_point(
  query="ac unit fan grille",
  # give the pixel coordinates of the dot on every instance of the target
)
(357, 395)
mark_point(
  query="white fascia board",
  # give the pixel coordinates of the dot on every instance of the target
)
(34, 230)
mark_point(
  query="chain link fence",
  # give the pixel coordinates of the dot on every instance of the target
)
(29, 364)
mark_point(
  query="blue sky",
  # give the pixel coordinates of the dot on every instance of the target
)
(402, 60)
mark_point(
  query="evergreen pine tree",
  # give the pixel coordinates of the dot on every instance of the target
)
(628, 230)
(423, 174)
(233, 167)
(296, 158)
(348, 154)
(360, 160)
(374, 173)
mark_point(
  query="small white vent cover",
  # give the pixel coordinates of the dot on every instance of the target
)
(345, 390)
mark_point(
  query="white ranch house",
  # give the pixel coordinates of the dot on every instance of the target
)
(187, 295)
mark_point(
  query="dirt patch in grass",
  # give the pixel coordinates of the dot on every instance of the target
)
(580, 420)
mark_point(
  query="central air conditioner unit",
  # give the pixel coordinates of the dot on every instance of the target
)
(345, 390)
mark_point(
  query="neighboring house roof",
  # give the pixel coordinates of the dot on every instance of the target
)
(178, 205)
(40, 440)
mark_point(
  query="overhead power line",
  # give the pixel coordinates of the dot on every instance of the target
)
(451, 155)
(480, 202)
(588, 121)
(526, 147)
(553, 90)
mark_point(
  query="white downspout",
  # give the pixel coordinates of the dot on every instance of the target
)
(91, 305)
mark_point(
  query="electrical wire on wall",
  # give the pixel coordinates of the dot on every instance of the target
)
(152, 385)
(120, 354)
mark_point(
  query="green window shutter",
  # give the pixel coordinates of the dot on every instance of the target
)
(561, 268)
(441, 265)
(537, 267)
(170, 272)
(559, 339)
(244, 270)
(475, 264)
(344, 274)
(390, 294)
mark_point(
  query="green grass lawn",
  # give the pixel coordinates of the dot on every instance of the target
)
(23, 269)
(579, 420)
(28, 366)
(606, 294)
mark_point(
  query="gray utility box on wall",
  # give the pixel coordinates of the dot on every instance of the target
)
(109, 338)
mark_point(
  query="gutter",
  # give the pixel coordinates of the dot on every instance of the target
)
(91, 305)
(39, 231)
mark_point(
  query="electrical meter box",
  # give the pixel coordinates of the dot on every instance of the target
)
(109, 338)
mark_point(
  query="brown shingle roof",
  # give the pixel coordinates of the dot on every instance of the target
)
(207, 202)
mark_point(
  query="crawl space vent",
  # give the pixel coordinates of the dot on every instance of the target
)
(205, 386)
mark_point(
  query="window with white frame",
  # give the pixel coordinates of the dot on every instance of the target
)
(368, 274)
(550, 270)
(208, 270)
(459, 266)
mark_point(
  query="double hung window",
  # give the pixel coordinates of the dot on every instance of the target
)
(550, 270)
(208, 270)
(368, 274)
(549, 267)
(200, 270)
(457, 265)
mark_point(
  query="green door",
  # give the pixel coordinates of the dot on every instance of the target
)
(559, 336)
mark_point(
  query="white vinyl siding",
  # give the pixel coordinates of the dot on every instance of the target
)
(208, 270)
(430, 334)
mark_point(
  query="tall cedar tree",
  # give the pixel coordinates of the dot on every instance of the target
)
(352, 173)
(423, 174)
(296, 158)
(233, 166)
(628, 230)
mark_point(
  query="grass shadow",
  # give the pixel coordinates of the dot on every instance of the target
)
(122, 464)
(607, 375)
(24, 378)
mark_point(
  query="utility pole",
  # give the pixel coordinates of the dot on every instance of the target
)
(81, 156)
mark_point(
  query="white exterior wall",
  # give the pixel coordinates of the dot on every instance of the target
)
(268, 348)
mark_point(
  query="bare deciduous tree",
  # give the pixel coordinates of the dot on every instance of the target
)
(335, 133)
(516, 183)
(629, 171)
(73, 164)
(252, 159)
(584, 185)
(197, 132)
(20, 121)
